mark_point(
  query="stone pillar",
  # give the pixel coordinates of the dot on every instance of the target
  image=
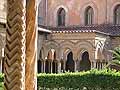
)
(58, 67)
(50, 67)
(75, 68)
(64, 67)
(91, 65)
(14, 63)
(44, 66)
(31, 45)
(94, 65)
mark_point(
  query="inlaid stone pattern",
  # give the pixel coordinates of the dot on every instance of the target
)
(14, 64)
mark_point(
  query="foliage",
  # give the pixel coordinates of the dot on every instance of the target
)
(90, 80)
(115, 63)
(1, 81)
(116, 56)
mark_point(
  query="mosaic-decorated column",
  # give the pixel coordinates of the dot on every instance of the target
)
(14, 63)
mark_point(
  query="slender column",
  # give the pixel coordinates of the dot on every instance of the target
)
(31, 44)
(75, 68)
(58, 67)
(14, 64)
(44, 66)
(50, 67)
(91, 65)
(64, 68)
(94, 64)
(100, 65)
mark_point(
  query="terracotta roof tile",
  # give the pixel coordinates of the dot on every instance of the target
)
(109, 29)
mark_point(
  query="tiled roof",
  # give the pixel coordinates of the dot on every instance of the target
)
(108, 29)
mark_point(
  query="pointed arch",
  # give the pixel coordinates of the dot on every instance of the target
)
(70, 62)
(85, 63)
(89, 15)
(83, 8)
(61, 14)
(117, 14)
(56, 15)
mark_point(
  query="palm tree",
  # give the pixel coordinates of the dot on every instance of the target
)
(116, 56)
(115, 63)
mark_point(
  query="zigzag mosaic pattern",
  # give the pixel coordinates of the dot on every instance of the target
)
(14, 65)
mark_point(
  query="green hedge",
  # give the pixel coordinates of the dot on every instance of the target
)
(1, 81)
(90, 80)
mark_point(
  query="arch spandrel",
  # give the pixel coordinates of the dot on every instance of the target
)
(52, 45)
(64, 46)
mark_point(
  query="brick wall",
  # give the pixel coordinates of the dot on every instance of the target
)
(103, 10)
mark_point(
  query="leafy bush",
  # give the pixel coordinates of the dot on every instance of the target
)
(90, 80)
(1, 81)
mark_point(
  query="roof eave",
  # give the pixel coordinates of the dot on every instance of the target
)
(44, 30)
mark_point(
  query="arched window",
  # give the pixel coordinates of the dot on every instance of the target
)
(117, 15)
(61, 17)
(89, 14)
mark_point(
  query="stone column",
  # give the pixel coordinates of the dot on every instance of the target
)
(51, 67)
(64, 67)
(75, 68)
(31, 45)
(91, 64)
(14, 63)
(58, 67)
(44, 66)
(94, 64)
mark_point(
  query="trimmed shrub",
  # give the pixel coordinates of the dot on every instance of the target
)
(1, 81)
(90, 80)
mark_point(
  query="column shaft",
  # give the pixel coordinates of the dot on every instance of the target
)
(14, 63)
(31, 45)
